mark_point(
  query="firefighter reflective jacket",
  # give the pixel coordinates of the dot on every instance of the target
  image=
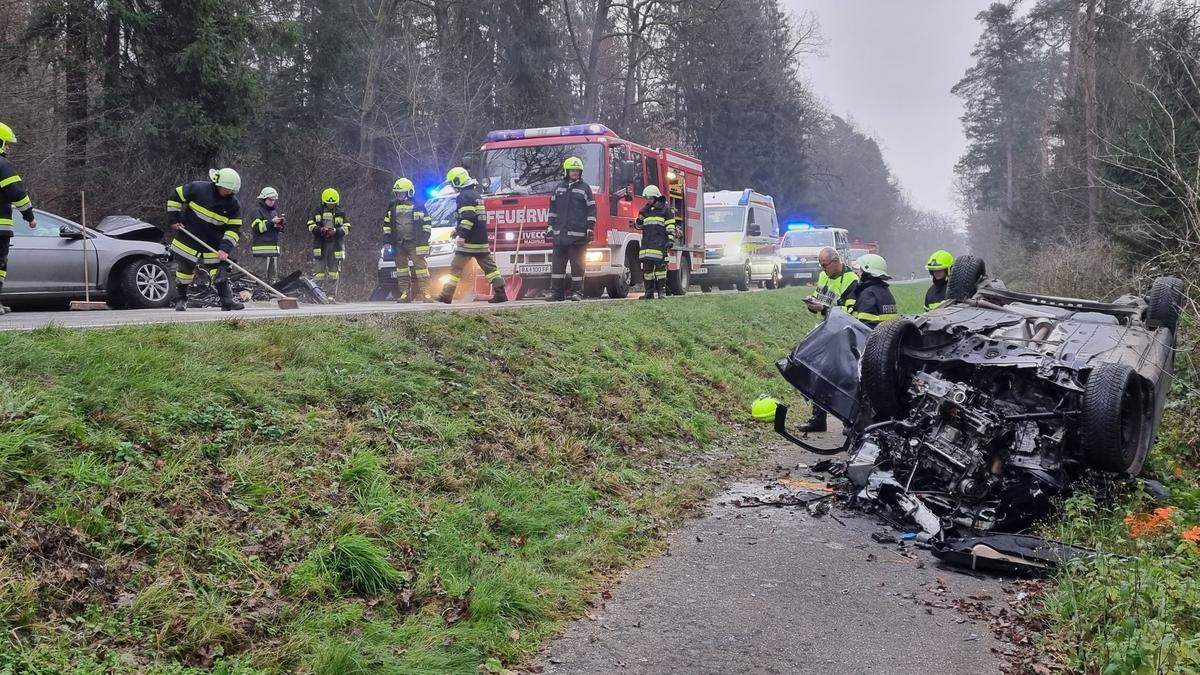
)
(936, 294)
(333, 218)
(406, 222)
(201, 209)
(266, 236)
(472, 220)
(12, 196)
(657, 223)
(572, 212)
(838, 291)
(874, 302)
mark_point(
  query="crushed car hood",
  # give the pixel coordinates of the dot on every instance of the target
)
(128, 227)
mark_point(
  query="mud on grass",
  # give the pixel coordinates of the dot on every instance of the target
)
(420, 493)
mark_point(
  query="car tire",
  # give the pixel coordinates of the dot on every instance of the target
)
(773, 283)
(1166, 299)
(743, 281)
(882, 375)
(145, 284)
(1112, 422)
(619, 284)
(965, 276)
(679, 280)
(705, 288)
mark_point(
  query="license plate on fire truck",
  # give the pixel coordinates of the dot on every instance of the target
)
(533, 269)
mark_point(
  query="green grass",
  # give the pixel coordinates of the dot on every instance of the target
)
(409, 494)
(1134, 609)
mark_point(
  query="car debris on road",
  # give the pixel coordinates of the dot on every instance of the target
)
(966, 423)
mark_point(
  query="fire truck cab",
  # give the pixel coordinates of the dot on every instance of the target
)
(518, 170)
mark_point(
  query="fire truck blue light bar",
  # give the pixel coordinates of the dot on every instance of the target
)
(541, 132)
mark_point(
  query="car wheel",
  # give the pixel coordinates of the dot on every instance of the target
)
(619, 284)
(883, 378)
(743, 282)
(1166, 298)
(1113, 420)
(965, 276)
(772, 283)
(145, 284)
(705, 288)
(679, 280)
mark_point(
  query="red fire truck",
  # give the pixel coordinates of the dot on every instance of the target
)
(519, 168)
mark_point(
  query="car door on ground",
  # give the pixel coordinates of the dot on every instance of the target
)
(41, 260)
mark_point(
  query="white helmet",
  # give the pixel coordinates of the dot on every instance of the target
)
(874, 265)
(226, 178)
(268, 193)
(651, 192)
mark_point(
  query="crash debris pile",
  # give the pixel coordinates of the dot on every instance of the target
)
(970, 420)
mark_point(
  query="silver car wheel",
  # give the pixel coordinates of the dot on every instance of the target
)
(152, 282)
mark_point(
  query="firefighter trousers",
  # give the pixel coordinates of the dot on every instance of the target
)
(267, 267)
(5, 242)
(487, 263)
(329, 264)
(409, 251)
(560, 256)
(654, 270)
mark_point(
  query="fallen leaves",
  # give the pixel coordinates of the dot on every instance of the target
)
(1147, 524)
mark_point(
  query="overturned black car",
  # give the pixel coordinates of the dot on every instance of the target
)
(975, 415)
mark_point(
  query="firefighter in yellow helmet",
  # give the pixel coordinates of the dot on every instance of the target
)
(939, 266)
(329, 227)
(572, 224)
(209, 211)
(12, 195)
(471, 238)
(407, 230)
(657, 223)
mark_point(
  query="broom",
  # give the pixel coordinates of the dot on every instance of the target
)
(283, 301)
(87, 304)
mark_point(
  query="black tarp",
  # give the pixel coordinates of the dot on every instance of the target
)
(824, 365)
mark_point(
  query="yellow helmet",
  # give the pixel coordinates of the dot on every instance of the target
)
(763, 409)
(404, 185)
(330, 196)
(572, 164)
(940, 260)
(458, 176)
(6, 136)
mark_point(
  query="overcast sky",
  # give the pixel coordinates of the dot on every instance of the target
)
(889, 65)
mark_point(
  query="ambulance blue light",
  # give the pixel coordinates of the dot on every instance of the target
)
(542, 132)
(745, 199)
(799, 226)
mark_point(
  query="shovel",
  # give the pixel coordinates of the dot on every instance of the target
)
(515, 282)
(282, 301)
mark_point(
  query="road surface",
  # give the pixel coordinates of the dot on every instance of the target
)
(255, 311)
(777, 590)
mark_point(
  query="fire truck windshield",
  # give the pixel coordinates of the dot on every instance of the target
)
(536, 169)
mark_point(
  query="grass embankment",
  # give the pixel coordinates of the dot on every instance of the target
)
(1136, 607)
(405, 494)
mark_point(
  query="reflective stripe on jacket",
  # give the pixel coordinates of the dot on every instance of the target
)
(572, 212)
(12, 195)
(205, 213)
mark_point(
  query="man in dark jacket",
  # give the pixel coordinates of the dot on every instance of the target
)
(572, 226)
(12, 196)
(329, 227)
(207, 210)
(407, 230)
(874, 302)
(657, 223)
(471, 238)
(939, 271)
(267, 226)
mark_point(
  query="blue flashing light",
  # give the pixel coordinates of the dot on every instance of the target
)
(798, 226)
(542, 132)
(745, 199)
